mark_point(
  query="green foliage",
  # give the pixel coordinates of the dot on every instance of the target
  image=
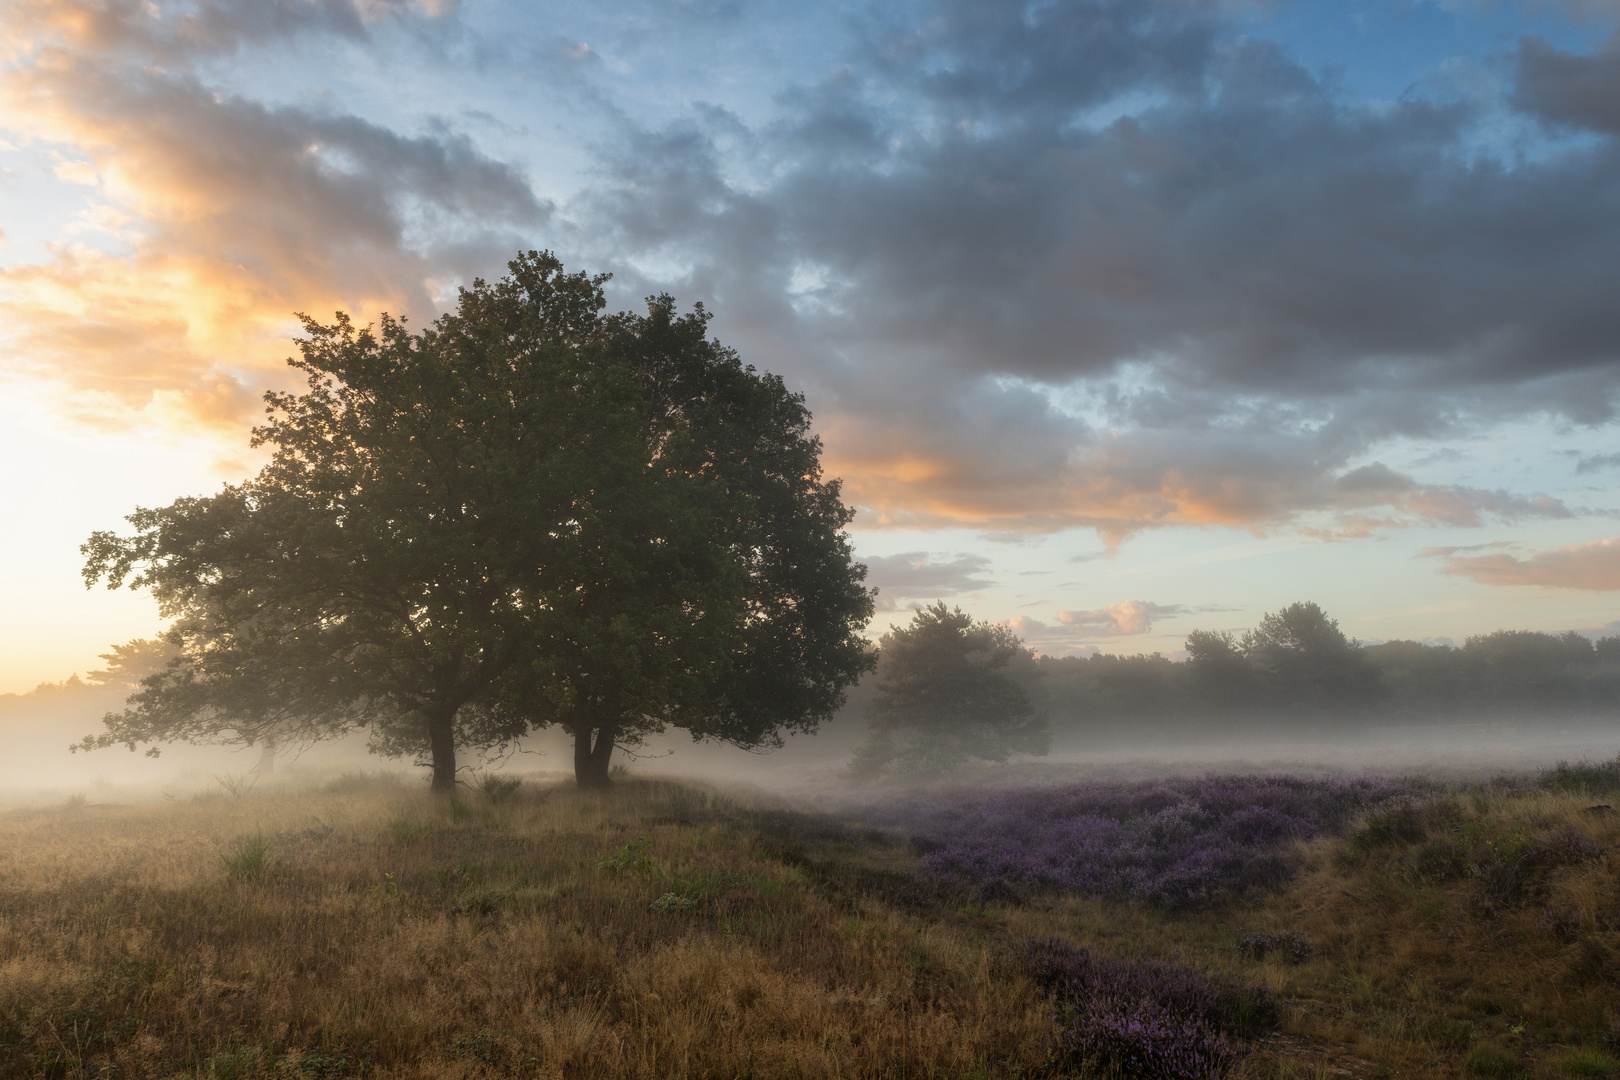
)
(1587, 778)
(248, 858)
(526, 514)
(1588, 1063)
(944, 697)
(631, 858)
(1297, 663)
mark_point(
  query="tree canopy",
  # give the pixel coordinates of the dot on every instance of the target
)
(527, 514)
(945, 696)
(1297, 664)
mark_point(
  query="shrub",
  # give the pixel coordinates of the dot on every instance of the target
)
(1178, 843)
(1508, 864)
(1146, 1018)
(1586, 778)
(498, 789)
(633, 857)
(1397, 825)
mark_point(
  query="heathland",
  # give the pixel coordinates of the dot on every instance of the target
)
(1262, 926)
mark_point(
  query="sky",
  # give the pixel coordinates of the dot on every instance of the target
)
(1117, 319)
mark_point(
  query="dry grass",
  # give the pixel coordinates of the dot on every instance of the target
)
(388, 934)
(365, 929)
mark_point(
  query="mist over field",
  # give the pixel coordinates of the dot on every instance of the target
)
(39, 726)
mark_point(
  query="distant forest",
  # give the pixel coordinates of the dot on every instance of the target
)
(1297, 663)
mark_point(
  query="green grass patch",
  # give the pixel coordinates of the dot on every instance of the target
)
(248, 858)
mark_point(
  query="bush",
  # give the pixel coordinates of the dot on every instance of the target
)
(1586, 778)
(631, 857)
(1146, 1018)
(498, 789)
(1509, 864)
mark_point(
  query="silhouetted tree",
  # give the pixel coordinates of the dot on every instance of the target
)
(527, 514)
(1220, 670)
(944, 696)
(1304, 658)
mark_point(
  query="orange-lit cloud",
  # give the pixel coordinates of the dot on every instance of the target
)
(1119, 620)
(911, 477)
(212, 218)
(1594, 566)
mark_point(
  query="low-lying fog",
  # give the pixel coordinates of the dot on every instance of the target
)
(37, 728)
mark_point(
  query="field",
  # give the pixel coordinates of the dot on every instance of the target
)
(1257, 927)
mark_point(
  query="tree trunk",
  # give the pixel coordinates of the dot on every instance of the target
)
(267, 758)
(591, 758)
(441, 726)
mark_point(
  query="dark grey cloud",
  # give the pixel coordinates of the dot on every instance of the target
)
(1118, 265)
(920, 575)
(1569, 88)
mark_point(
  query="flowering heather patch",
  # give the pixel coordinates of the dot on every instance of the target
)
(1178, 843)
(1146, 1018)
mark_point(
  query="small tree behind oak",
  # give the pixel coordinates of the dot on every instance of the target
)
(944, 697)
(527, 514)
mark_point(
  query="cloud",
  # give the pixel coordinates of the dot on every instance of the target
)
(180, 33)
(1567, 88)
(1594, 566)
(1594, 462)
(1047, 639)
(1074, 628)
(919, 575)
(1120, 266)
(234, 214)
(1446, 552)
(1119, 620)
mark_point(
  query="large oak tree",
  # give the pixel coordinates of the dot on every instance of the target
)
(527, 514)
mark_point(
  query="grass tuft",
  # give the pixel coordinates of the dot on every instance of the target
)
(1491, 1062)
(1587, 1063)
(248, 858)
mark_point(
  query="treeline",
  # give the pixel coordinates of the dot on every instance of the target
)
(1297, 662)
